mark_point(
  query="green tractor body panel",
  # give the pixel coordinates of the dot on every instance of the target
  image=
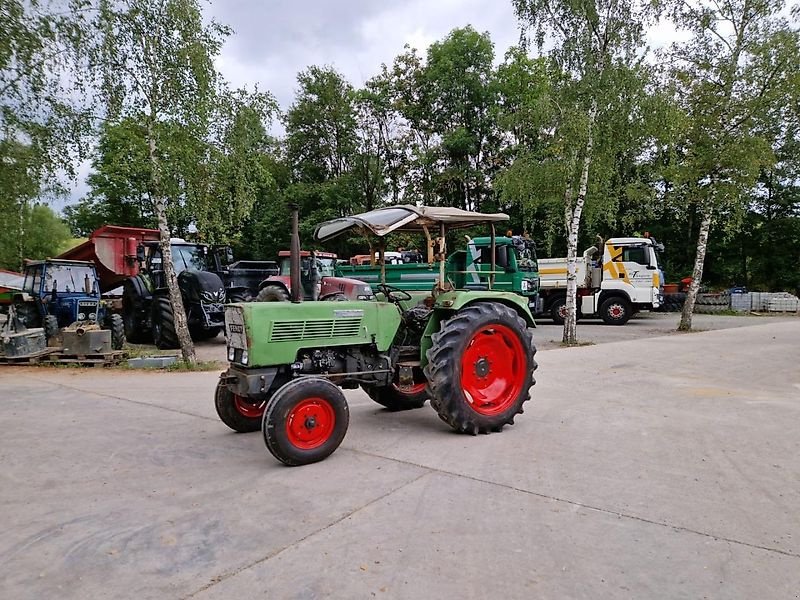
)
(274, 332)
(515, 270)
(449, 303)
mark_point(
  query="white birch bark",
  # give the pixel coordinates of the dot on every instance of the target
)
(697, 272)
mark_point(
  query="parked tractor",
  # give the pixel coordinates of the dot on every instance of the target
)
(146, 308)
(470, 352)
(60, 293)
(278, 288)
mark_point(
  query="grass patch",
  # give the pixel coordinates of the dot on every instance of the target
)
(201, 365)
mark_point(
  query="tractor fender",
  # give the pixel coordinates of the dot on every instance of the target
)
(135, 289)
(449, 303)
(279, 280)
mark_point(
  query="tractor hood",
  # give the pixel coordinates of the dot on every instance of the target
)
(405, 217)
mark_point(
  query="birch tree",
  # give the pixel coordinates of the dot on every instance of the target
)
(738, 67)
(592, 40)
(156, 59)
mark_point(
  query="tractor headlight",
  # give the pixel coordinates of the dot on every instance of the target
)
(245, 357)
(526, 285)
(231, 353)
(81, 316)
(92, 317)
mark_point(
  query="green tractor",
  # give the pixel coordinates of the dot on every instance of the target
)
(470, 352)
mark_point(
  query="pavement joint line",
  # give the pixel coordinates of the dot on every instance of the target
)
(220, 578)
(107, 395)
(607, 511)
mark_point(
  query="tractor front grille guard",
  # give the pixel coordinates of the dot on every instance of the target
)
(212, 314)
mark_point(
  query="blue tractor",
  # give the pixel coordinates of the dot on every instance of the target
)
(60, 293)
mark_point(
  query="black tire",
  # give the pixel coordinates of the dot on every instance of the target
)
(164, 335)
(117, 327)
(616, 310)
(136, 330)
(239, 296)
(338, 297)
(325, 417)
(463, 338)
(558, 310)
(237, 412)
(272, 293)
(395, 399)
(200, 335)
(51, 328)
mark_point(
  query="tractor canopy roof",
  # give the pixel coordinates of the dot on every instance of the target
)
(405, 217)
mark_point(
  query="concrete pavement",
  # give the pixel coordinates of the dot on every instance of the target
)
(666, 467)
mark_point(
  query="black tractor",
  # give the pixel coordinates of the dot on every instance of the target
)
(146, 308)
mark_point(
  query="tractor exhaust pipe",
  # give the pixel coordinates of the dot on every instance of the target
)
(294, 257)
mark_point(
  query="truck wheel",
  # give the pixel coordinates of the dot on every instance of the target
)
(395, 399)
(117, 327)
(305, 421)
(238, 412)
(616, 310)
(272, 293)
(480, 368)
(51, 327)
(558, 310)
(164, 336)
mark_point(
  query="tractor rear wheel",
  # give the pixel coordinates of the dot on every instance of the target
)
(164, 335)
(238, 412)
(480, 368)
(395, 399)
(28, 314)
(51, 327)
(272, 293)
(616, 310)
(305, 421)
(117, 327)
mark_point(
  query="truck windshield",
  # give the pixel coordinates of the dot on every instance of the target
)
(188, 257)
(69, 278)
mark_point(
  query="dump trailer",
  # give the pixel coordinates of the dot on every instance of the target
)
(515, 269)
(615, 279)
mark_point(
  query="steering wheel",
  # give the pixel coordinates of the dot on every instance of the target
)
(393, 294)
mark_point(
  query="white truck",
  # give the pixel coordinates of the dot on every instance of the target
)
(613, 283)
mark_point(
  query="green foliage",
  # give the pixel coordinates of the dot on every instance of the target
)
(37, 233)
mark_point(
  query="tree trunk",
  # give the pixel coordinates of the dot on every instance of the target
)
(178, 312)
(573, 217)
(697, 273)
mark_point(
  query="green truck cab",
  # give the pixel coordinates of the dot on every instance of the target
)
(516, 269)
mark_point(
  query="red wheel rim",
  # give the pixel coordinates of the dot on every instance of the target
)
(247, 409)
(416, 388)
(493, 369)
(616, 311)
(310, 423)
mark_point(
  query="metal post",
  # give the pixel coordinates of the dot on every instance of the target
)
(494, 257)
(294, 257)
(442, 251)
(382, 259)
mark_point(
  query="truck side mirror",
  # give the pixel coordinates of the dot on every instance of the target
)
(140, 254)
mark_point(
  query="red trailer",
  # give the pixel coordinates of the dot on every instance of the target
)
(113, 251)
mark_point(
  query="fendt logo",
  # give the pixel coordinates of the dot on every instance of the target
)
(236, 328)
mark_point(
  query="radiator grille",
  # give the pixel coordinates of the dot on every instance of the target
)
(286, 331)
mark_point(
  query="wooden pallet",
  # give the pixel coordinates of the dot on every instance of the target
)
(37, 358)
(90, 360)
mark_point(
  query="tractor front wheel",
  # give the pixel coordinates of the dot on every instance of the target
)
(51, 327)
(305, 421)
(164, 335)
(480, 368)
(117, 327)
(272, 293)
(238, 412)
